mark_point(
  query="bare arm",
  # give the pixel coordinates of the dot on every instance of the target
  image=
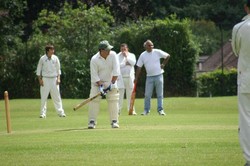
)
(165, 62)
(114, 78)
(40, 79)
(58, 80)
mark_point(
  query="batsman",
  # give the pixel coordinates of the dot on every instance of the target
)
(104, 70)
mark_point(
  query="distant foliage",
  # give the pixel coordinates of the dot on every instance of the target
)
(217, 83)
(11, 46)
(207, 35)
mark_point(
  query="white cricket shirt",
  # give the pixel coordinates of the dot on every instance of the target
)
(48, 67)
(151, 61)
(104, 69)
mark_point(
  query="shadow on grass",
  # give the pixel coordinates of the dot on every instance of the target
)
(84, 129)
(80, 129)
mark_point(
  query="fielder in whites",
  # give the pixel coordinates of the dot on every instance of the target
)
(104, 68)
(48, 72)
(150, 58)
(240, 45)
(125, 80)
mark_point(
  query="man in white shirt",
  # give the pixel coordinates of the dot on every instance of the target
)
(104, 68)
(48, 72)
(154, 69)
(240, 45)
(125, 81)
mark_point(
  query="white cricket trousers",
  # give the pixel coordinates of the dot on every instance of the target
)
(50, 86)
(129, 90)
(112, 98)
(244, 123)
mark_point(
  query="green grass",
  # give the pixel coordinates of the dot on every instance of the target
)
(196, 131)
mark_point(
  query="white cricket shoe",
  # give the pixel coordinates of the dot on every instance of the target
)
(161, 112)
(62, 115)
(114, 124)
(42, 116)
(91, 124)
(145, 113)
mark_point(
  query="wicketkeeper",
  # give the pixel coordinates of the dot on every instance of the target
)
(104, 68)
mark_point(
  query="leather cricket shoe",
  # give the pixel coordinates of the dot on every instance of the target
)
(114, 124)
(42, 116)
(161, 112)
(91, 124)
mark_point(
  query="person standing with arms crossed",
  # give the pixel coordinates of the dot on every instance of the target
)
(104, 68)
(125, 81)
(48, 73)
(150, 58)
(240, 46)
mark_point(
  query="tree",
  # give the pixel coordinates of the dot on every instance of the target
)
(207, 35)
(75, 32)
(10, 32)
(223, 12)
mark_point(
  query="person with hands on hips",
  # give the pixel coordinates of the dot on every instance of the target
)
(125, 81)
(48, 73)
(104, 70)
(150, 58)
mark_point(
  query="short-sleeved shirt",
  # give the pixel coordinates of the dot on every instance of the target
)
(104, 69)
(151, 61)
(48, 67)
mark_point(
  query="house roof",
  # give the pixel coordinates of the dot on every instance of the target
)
(214, 61)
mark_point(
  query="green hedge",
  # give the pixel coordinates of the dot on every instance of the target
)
(217, 83)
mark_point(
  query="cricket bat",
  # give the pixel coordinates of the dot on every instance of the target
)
(132, 101)
(85, 102)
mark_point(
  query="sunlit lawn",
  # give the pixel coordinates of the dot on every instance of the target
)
(196, 131)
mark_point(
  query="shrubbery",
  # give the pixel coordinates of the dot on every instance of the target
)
(217, 83)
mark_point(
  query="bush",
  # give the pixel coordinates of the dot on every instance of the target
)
(217, 83)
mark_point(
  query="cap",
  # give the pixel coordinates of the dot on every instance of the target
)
(105, 45)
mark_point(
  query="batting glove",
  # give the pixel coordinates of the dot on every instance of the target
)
(103, 93)
(111, 86)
